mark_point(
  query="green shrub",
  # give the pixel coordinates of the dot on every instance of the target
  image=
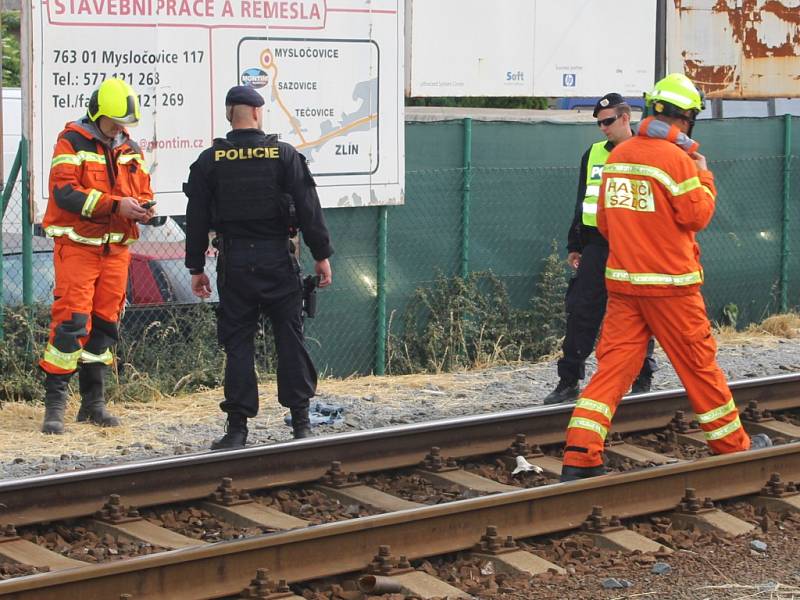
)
(11, 53)
(467, 323)
(24, 336)
(178, 352)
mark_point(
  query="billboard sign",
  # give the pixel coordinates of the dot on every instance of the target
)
(522, 48)
(330, 72)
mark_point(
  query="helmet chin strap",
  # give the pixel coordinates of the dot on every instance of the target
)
(690, 119)
(691, 122)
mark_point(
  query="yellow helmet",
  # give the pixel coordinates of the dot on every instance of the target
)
(676, 90)
(116, 100)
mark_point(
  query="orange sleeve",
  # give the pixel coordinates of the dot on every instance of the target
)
(695, 200)
(143, 186)
(105, 206)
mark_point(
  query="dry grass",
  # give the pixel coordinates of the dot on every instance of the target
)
(785, 326)
(21, 422)
(769, 331)
(145, 422)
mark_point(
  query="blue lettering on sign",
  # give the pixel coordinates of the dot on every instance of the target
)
(568, 80)
(518, 76)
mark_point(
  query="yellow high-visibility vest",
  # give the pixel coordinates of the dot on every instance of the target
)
(598, 155)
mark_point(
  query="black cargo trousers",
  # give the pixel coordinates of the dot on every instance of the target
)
(256, 276)
(586, 306)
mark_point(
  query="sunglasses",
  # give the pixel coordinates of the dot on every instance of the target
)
(606, 122)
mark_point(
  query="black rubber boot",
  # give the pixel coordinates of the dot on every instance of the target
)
(55, 402)
(235, 433)
(566, 391)
(92, 384)
(642, 384)
(574, 473)
(301, 424)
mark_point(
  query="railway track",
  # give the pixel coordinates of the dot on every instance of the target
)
(198, 570)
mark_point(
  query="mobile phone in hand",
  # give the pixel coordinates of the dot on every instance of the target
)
(148, 205)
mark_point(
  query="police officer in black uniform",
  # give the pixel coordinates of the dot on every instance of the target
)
(251, 190)
(588, 252)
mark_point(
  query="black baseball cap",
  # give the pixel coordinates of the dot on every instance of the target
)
(243, 94)
(607, 101)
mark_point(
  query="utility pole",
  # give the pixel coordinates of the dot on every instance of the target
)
(661, 40)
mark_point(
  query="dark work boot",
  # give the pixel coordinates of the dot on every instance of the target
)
(55, 402)
(301, 424)
(566, 391)
(642, 384)
(92, 384)
(235, 433)
(574, 473)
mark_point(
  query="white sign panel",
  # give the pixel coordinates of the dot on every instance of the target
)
(565, 48)
(330, 72)
(469, 47)
(589, 48)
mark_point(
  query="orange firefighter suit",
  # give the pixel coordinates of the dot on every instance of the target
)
(652, 201)
(88, 178)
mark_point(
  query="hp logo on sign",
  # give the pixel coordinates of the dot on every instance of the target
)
(568, 80)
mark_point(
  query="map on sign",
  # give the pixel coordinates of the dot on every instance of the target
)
(302, 83)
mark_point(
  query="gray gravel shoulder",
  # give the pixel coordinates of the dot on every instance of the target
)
(474, 392)
(521, 386)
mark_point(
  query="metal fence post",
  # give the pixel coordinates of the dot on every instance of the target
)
(787, 166)
(27, 228)
(380, 341)
(661, 40)
(466, 197)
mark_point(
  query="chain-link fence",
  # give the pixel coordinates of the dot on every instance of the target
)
(502, 213)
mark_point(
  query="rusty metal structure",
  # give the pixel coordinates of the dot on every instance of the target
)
(736, 49)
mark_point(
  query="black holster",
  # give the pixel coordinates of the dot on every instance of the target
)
(310, 283)
(219, 244)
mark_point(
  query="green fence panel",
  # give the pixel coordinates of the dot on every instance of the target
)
(512, 231)
(424, 237)
(742, 245)
(522, 197)
(525, 145)
(740, 138)
(435, 145)
(341, 339)
(524, 186)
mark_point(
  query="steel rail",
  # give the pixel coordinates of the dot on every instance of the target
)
(225, 568)
(189, 477)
